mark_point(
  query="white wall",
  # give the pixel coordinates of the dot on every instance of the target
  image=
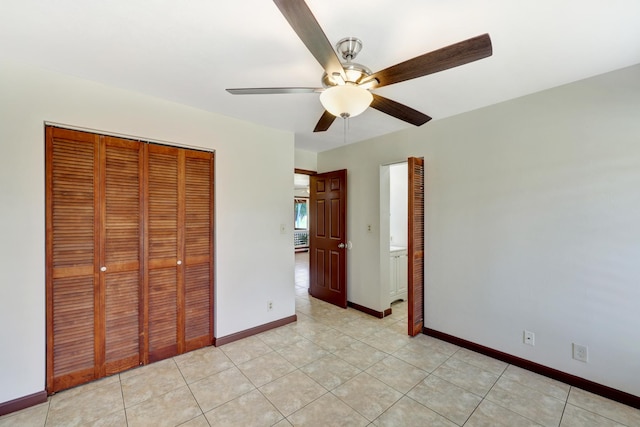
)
(248, 228)
(532, 221)
(306, 160)
(398, 204)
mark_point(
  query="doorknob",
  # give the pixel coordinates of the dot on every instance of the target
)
(103, 268)
(341, 245)
(179, 262)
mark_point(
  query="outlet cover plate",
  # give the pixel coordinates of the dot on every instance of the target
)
(529, 338)
(580, 352)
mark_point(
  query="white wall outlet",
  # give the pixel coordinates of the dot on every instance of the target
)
(283, 229)
(529, 338)
(369, 229)
(580, 352)
(269, 305)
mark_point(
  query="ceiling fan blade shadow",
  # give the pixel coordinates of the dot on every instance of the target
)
(273, 90)
(325, 122)
(399, 111)
(447, 57)
(307, 28)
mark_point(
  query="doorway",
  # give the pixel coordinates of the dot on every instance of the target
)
(327, 235)
(402, 240)
(394, 236)
(301, 213)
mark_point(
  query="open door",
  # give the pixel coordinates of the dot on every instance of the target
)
(328, 237)
(415, 286)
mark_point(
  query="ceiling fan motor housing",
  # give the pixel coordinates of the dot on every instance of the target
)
(348, 48)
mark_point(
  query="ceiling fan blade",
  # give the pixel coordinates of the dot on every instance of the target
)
(272, 90)
(307, 28)
(447, 57)
(325, 122)
(399, 111)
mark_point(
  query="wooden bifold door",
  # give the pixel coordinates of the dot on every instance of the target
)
(129, 253)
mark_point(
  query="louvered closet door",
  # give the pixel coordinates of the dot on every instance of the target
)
(415, 287)
(129, 252)
(72, 252)
(198, 247)
(121, 260)
(162, 248)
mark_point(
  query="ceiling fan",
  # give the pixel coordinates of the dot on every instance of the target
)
(347, 86)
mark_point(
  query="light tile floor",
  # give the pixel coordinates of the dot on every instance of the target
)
(333, 367)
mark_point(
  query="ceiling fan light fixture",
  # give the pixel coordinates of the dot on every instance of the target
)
(346, 100)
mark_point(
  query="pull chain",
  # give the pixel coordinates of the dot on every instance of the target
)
(345, 119)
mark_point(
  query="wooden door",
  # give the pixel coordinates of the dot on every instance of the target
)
(72, 253)
(328, 237)
(162, 246)
(121, 258)
(179, 245)
(415, 254)
(198, 251)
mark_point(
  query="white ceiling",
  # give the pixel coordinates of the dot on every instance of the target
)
(190, 51)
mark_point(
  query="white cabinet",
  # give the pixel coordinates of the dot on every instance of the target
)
(398, 270)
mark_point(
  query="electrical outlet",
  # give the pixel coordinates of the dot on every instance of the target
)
(368, 228)
(283, 229)
(529, 338)
(269, 305)
(580, 352)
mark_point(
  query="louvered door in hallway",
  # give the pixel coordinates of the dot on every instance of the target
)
(129, 254)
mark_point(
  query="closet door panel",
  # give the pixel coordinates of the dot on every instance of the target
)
(162, 248)
(122, 225)
(198, 249)
(163, 315)
(72, 251)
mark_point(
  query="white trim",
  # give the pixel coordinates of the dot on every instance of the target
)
(125, 136)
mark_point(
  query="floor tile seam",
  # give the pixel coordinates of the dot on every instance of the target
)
(389, 385)
(566, 399)
(210, 375)
(21, 411)
(434, 410)
(196, 400)
(543, 378)
(473, 412)
(481, 397)
(223, 403)
(286, 417)
(304, 406)
(248, 360)
(564, 408)
(289, 373)
(484, 370)
(517, 413)
(60, 395)
(595, 413)
(124, 408)
(361, 414)
(46, 418)
(477, 365)
(93, 419)
(530, 389)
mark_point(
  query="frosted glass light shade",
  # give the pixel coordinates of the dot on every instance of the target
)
(346, 100)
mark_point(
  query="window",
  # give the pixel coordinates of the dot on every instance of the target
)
(300, 215)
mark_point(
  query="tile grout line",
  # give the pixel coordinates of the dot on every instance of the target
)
(124, 407)
(192, 395)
